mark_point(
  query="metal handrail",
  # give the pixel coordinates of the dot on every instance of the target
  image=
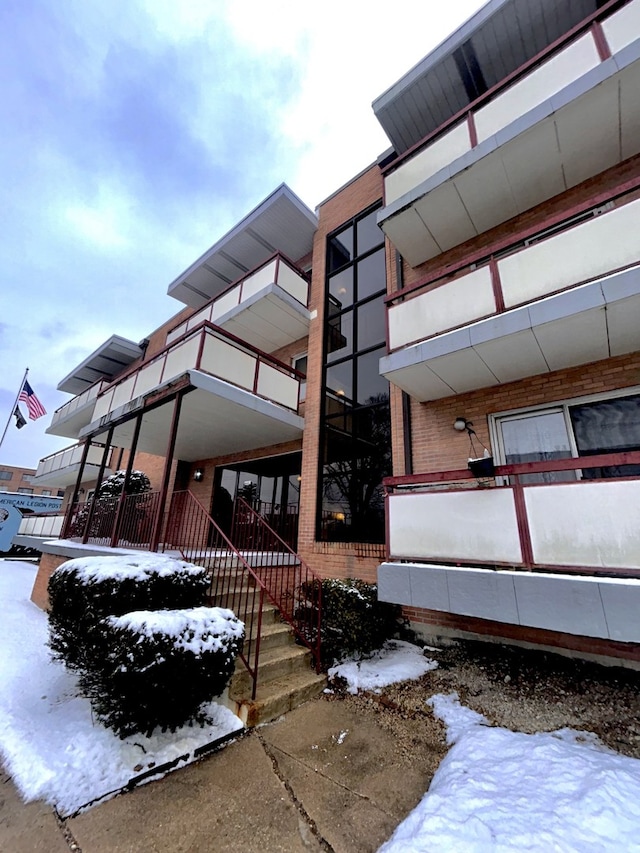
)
(293, 587)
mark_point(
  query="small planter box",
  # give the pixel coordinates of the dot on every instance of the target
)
(482, 467)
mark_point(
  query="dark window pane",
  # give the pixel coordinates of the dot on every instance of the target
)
(340, 291)
(371, 324)
(368, 233)
(339, 332)
(608, 426)
(371, 275)
(372, 388)
(340, 249)
(340, 380)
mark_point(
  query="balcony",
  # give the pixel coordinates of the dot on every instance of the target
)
(239, 398)
(267, 308)
(70, 418)
(544, 304)
(61, 469)
(563, 117)
(461, 549)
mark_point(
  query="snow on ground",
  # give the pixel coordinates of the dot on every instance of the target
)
(500, 791)
(396, 661)
(48, 741)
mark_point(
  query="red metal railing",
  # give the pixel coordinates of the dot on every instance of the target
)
(282, 518)
(291, 585)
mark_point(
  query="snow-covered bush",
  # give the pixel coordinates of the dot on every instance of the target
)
(353, 620)
(156, 668)
(112, 486)
(84, 591)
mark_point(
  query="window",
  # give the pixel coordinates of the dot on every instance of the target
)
(576, 428)
(24, 491)
(45, 492)
(355, 436)
(6, 475)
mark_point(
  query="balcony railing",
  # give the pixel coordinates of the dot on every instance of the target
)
(520, 271)
(78, 403)
(43, 525)
(68, 457)
(586, 526)
(277, 270)
(215, 352)
(599, 36)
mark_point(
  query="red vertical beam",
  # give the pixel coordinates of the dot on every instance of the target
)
(166, 474)
(103, 465)
(74, 497)
(473, 133)
(496, 284)
(523, 525)
(602, 45)
(115, 532)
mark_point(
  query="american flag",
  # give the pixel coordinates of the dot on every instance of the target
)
(34, 406)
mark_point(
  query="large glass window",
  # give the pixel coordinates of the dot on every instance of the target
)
(356, 430)
(572, 429)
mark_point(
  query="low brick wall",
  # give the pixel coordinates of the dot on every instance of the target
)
(48, 564)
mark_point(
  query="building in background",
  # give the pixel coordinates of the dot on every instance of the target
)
(478, 288)
(22, 480)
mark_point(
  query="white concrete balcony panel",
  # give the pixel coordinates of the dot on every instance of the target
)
(69, 419)
(564, 122)
(606, 242)
(267, 308)
(470, 524)
(590, 524)
(453, 304)
(61, 469)
(585, 324)
(573, 604)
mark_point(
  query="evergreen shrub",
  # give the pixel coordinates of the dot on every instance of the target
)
(86, 590)
(153, 669)
(353, 621)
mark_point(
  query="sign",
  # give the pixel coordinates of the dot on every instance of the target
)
(10, 516)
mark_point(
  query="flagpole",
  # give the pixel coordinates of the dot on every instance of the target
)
(13, 408)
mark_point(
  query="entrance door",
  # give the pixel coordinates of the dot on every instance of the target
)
(270, 485)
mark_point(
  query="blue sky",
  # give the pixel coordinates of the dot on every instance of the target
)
(137, 132)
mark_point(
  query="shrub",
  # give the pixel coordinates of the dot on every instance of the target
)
(353, 621)
(151, 669)
(84, 591)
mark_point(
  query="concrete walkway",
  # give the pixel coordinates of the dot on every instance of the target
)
(327, 777)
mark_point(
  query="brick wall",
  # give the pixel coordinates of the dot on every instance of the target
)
(48, 564)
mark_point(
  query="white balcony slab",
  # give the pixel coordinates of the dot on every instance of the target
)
(606, 608)
(560, 604)
(445, 216)
(217, 418)
(581, 325)
(484, 595)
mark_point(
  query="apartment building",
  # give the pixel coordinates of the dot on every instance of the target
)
(473, 294)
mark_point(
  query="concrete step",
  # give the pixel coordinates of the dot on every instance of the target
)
(274, 663)
(276, 697)
(275, 634)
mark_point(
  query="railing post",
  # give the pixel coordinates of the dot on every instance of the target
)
(168, 461)
(103, 465)
(115, 532)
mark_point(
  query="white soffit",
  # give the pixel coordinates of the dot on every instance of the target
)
(108, 361)
(281, 223)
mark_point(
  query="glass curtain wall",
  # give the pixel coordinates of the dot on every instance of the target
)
(356, 428)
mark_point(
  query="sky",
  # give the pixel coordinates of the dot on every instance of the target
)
(136, 133)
